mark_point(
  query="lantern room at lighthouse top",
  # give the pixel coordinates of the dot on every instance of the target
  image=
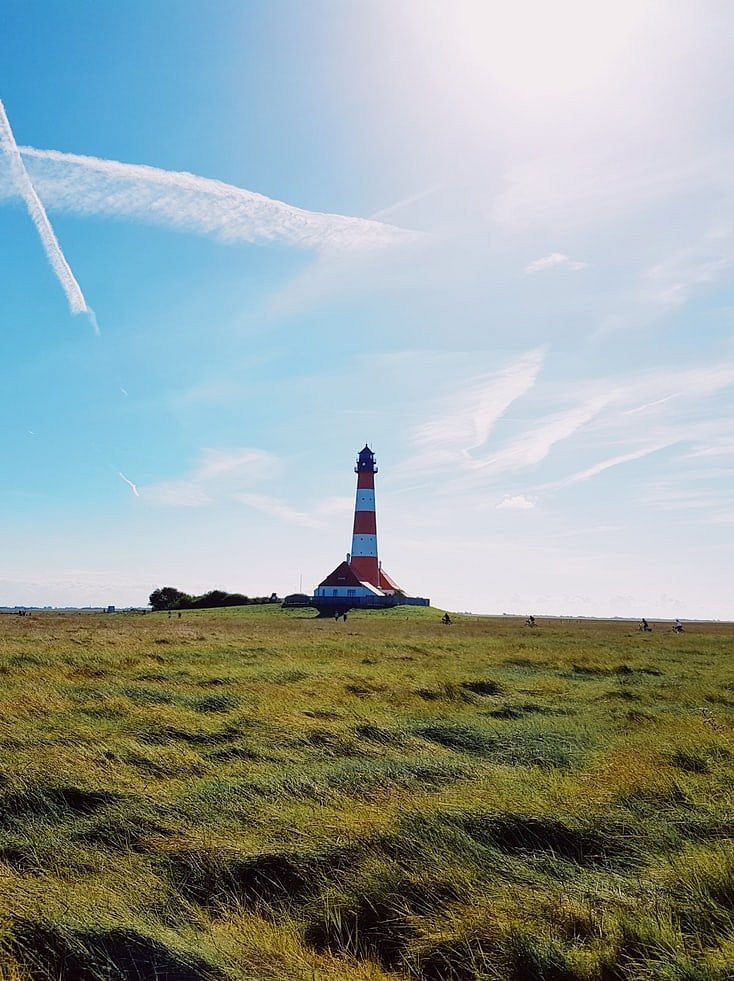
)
(366, 461)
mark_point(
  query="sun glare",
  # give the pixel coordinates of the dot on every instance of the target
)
(538, 48)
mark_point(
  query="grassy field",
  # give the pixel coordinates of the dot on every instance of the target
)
(256, 793)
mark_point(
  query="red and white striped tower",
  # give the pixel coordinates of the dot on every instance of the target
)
(364, 559)
(361, 580)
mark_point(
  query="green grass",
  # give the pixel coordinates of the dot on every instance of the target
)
(260, 794)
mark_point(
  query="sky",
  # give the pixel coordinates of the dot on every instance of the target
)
(238, 240)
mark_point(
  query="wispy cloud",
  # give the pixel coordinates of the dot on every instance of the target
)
(178, 494)
(534, 445)
(604, 413)
(20, 181)
(91, 186)
(218, 474)
(614, 461)
(564, 189)
(516, 502)
(673, 281)
(277, 508)
(722, 446)
(463, 423)
(675, 495)
(553, 260)
(663, 385)
(210, 392)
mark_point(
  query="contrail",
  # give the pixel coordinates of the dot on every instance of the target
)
(90, 186)
(24, 186)
(131, 485)
(404, 202)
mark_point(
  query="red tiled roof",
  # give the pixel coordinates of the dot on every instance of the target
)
(346, 575)
(343, 575)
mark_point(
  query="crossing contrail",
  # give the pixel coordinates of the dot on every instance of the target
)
(24, 186)
(133, 487)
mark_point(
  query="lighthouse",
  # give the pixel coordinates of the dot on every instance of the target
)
(364, 559)
(361, 580)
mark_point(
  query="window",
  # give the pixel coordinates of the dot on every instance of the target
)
(335, 592)
(351, 592)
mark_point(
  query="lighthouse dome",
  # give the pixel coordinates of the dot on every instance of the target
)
(366, 461)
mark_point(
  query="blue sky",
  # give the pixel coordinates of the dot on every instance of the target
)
(496, 241)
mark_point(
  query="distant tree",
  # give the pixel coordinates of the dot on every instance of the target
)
(214, 598)
(169, 598)
(236, 599)
(199, 602)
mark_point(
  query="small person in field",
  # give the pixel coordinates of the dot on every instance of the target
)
(645, 626)
(677, 626)
(530, 622)
(446, 619)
